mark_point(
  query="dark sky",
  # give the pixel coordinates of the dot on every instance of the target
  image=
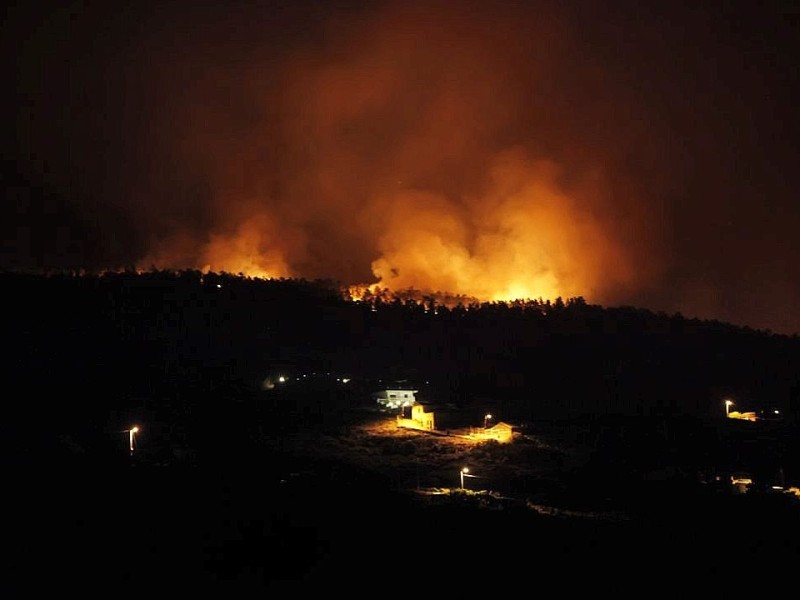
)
(632, 153)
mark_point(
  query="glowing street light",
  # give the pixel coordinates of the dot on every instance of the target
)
(465, 473)
(486, 420)
(131, 437)
(728, 404)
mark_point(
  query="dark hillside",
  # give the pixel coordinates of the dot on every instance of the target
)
(119, 336)
(245, 481)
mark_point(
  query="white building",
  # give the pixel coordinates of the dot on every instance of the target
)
(395, 397)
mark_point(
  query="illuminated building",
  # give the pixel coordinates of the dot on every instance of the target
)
(398, 397)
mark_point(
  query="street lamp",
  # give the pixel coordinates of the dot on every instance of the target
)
(486, 421)
(728, 404)
(465, 473)
(131, 435)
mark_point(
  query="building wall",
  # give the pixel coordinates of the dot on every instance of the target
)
(746, 416)
(425, 419)
(419, 419)
(501, 432)
(395, 398)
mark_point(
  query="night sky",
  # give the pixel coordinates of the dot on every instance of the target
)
(633, 153)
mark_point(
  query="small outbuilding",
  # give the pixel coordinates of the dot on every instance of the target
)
(420, 419)
(502, 432)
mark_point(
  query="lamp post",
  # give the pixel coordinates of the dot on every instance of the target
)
(728, 404)
(486, 420)
(131, 436)
(465, 473)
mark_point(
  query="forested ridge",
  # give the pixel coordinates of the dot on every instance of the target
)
(84, 349)
(187, 356)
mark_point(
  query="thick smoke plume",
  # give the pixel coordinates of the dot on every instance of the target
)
(411, 147)
(630, 153)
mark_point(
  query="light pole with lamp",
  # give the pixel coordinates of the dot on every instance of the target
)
(131, 437)
(486, 419)
(728, 404)
(465, 473)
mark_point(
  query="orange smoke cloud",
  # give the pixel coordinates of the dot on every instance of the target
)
(409, 154)
(525, 237)
(629, 154)
(250, 250)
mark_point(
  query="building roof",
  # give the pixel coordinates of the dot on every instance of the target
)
(501, 425)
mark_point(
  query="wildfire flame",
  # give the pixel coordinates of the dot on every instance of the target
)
(524, 237)
(388, 165)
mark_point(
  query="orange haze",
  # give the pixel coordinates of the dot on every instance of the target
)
(633, 153)
(407, 154)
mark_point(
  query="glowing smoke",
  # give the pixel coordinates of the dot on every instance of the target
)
(524, 238)
(406, 153)
(632, 153)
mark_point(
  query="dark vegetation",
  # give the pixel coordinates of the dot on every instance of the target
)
(221, 499)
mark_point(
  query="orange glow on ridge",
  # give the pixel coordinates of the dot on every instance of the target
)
(387, 163)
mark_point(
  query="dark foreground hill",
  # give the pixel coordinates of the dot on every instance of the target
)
(294, 525)
(86, 350)
(240, 484)
(125, 335)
